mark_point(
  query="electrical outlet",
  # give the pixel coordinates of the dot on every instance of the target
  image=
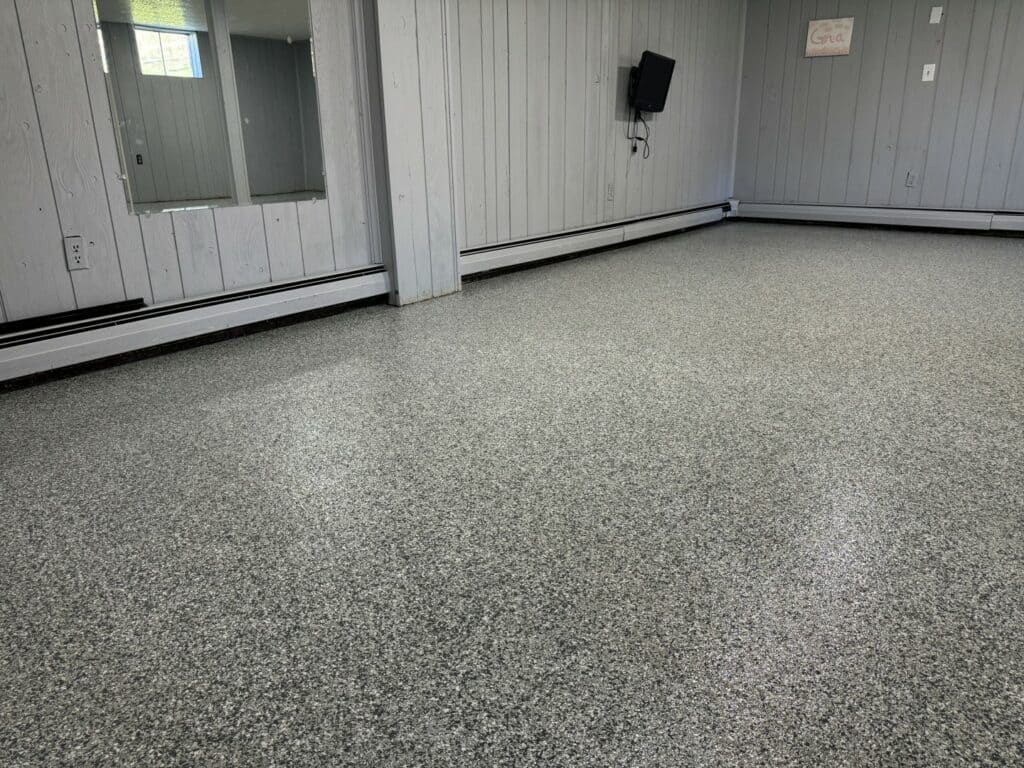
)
(936, 17)
(611, 193)
(911, 179)
(75, 253)
(928, 73)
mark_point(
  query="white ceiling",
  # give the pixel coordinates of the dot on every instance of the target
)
(256, 18)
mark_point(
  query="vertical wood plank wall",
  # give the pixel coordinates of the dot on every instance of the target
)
(57, 140)
(540, 118)
(848, 130)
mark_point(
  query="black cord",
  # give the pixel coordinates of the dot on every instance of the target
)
(635, 137)
(647, 135)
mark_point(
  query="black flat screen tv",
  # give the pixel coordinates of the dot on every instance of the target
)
(648, 83)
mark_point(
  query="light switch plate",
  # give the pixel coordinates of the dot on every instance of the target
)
(928, 73)
(936, 17)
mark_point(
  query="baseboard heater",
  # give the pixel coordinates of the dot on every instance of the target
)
(8, 329)
(45, 349)
(980, 221)
(578, 241)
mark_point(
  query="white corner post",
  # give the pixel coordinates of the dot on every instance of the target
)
(413, 52)
(220, 43)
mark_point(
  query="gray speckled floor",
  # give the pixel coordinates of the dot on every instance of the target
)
(752, 495)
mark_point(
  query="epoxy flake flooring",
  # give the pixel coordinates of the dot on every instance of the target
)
(750, 495)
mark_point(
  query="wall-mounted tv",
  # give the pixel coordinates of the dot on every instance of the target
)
(648, 83)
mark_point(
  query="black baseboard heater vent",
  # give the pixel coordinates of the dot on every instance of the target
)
(71, 316)
(92, 318)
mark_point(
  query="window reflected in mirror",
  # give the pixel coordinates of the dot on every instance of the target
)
(166, 90)
(168, 53)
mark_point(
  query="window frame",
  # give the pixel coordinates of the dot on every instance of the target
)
(195, 59)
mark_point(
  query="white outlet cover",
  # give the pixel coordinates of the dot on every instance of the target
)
(75, 253)
(928, 73)
(936, 17)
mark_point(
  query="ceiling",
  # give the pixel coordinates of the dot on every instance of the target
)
(256, 18)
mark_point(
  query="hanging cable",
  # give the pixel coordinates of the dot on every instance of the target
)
(636, 138)
(647, 135)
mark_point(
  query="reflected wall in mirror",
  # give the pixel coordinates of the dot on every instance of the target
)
(166, 83)
(270, 44)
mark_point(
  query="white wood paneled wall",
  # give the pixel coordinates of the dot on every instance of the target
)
(539, 113)
(849, 130)
(57, 141)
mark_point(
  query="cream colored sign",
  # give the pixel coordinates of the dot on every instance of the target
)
(829, 37)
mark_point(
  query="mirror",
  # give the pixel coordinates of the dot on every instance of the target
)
(165, 84)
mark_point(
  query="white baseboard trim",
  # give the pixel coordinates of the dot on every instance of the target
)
(514, 255)
(524, 253)
(903, 217)
(1008, 222)
(49, 354)
(681, 221)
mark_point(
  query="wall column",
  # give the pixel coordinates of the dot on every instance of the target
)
(412, 48)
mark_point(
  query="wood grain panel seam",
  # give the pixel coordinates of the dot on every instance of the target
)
(177, 256)
(903, 100)
(220, 258)
(508, 112)
(462, 124)
(266, 243)
(824, 136)
(760, 112)
(565, 92)
(1016, 142)
(856, 103)
(935, 94)
(878, 109)
(421, 148)
(302, 248)
(1013, 154)
(959, 107)
(995, 89)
